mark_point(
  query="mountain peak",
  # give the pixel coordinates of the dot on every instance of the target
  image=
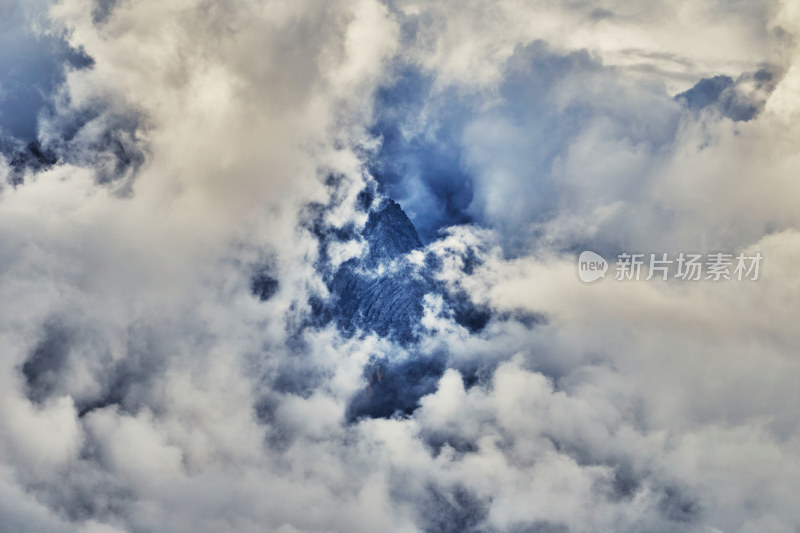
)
(389, 233)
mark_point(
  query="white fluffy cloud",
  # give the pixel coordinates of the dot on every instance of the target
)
(146, 389)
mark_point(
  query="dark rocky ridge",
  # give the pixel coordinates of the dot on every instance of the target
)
(389, 302)
(390, 234)
(381, 292)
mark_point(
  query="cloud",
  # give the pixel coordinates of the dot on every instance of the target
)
(33, 65)
(178, 354)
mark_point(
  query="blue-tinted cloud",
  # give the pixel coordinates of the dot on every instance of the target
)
(741, 100)
(253, 335)
(32, 66)
(494, 158)
(419, 162)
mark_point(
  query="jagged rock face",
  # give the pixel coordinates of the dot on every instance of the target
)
(390, 234)
(382, 292)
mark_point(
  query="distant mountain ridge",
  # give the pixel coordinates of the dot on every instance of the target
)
(383, 292)
(390, 233)
(389, 302)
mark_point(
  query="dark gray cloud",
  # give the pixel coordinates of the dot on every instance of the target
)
(46, 364)
(739, 100)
